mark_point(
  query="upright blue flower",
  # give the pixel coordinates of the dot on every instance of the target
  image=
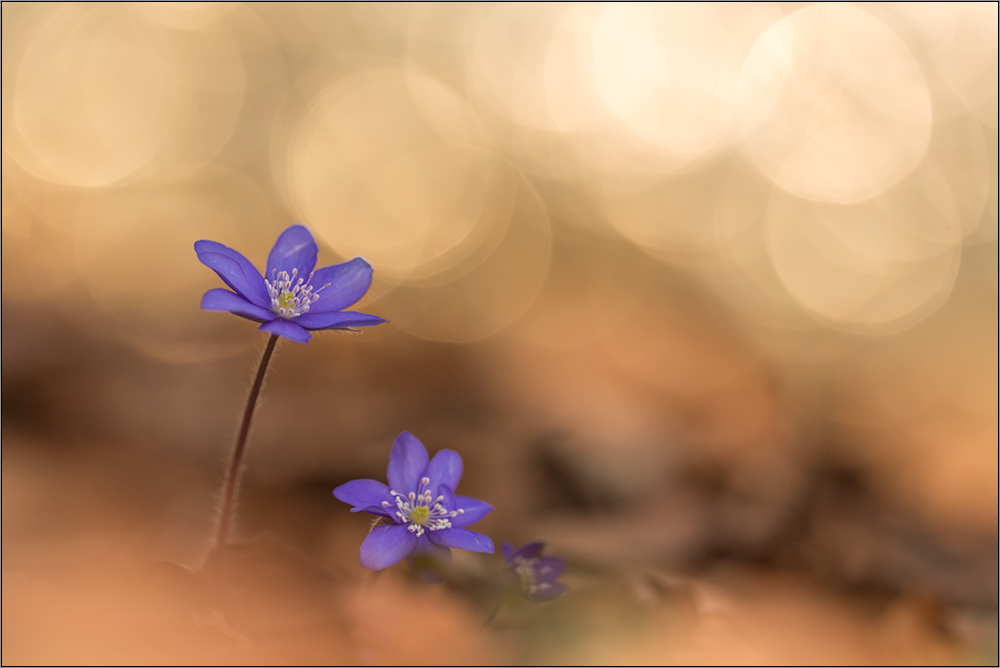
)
(291, 298)
(427, 517)
(535, 572)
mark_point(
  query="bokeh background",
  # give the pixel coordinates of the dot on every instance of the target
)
(705, 295)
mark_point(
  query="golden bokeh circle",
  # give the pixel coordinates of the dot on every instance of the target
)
(833, 106)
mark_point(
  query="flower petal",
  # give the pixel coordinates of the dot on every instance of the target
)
(428, 559)
(508, 551)
(530, 551)
(287, 329)
(425, 546)
(220, 299)
(294, 249)
(449, 496)
(407, 461)
(337, 320)
(445, 469)
(463, 539)
(237, 272)
(377, 510)
(363, 493)
(546, 591)
(548, 569)
(348, 282)
(385, 545)
(474, 510)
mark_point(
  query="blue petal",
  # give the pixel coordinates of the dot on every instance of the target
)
(337, 320)
(548, 569)
(407, 461)
(427, 560)
(474, 510)
(287, 329)
(378, 510)
(508, 550)
(425, 546)
(252, 285)
(294, 249)
(364, 493)
(463, 539)
(385, 545)
(230, 271)
(449, 497)
(546, 591)
(445, 469)
(348, 282)
(530, 551)
(220, 299)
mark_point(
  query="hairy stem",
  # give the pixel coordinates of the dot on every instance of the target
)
(233, 473)
(492, 614)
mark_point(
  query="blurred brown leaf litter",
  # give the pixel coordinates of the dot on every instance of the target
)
(705, 296)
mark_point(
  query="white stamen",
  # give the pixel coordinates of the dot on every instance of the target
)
(288, 301)
(525, 570)
(437, 516)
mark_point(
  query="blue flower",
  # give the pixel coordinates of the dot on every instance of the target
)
(292, 298)
(535, 572)
(427, 517)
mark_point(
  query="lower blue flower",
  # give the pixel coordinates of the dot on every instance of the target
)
(425, 516)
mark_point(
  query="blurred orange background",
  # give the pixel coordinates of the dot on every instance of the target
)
(704, 294)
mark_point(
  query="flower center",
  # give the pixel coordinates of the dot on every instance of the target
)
(525, 570)
(291, 295)
(286, 302)
(420, 515)
(421, 511)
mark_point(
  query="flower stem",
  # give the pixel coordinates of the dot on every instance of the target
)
(492, 614)
(233, 473)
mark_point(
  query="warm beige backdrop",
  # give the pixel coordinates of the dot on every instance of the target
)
(704, 294)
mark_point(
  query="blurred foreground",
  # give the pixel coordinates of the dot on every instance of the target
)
(685, 544)
(705, 296)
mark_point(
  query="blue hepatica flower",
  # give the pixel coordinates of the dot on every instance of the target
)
(427, 517)
(292, 297)
(535, 572)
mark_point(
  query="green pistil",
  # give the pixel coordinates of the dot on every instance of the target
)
(286, 301)
(420, 515)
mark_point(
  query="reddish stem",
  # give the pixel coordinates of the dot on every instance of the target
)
(233, 474)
